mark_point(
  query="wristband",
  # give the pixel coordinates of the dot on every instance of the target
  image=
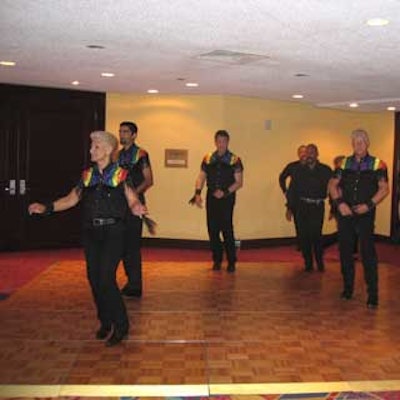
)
(371, 205)
(226, 193)
(197, 192)
(49, 208)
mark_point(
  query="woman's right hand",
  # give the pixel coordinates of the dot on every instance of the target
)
(36, 208)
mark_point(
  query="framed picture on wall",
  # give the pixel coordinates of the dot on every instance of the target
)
(176, 158)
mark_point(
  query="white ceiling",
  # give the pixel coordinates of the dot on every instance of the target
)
(155, 44)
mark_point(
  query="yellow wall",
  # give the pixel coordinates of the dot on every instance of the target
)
(189, 122)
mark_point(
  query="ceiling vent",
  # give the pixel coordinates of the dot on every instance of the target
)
(231, 57)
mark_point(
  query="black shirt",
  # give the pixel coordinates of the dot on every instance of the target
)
(287, 172)
(220, 170)
(135, 160)
(103, 194)
(359, 179)
(310, 183)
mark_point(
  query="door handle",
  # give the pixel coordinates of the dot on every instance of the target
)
(22, 187)
(12, 188)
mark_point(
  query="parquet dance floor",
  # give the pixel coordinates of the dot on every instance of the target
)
(203, 332)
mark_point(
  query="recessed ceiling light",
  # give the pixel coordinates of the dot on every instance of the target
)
(191, 84)
(7, 63)
(353, 105)
(107, 74)
(75, 83)
(297, 96)
(377, 22)
(391, 108)
(152, 91)
(95, 46)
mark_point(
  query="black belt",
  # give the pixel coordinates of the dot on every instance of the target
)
(104, 221)
(312, 201)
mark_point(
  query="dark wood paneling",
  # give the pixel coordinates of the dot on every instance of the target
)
(45, 133)
(395, 226)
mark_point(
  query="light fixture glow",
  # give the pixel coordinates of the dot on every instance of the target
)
(353, 105)
(75, 83)
(297, 96)
(7, 63)
(377, 22)
(391, 108)
(107, 74)
(192, 84)
(152, 91)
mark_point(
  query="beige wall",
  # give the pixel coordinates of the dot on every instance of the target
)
(189, 122)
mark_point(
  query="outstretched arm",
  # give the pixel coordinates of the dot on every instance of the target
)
(61, 204)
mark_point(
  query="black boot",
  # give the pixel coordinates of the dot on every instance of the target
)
(117, 337)
(103, 332)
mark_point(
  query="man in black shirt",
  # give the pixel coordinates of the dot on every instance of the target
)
(223, 172)
(289, 172)
(136, 160)
(358, 186)
(309, 189)
(107, 197)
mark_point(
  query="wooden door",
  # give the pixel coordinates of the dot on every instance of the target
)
(46, 134)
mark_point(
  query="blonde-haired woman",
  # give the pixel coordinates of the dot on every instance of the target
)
(107, 199)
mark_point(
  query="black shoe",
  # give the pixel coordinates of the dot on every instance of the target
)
(116, 337)
(321, 267)
(231, 268)
(346, 295)
(216, 266)
(103, 332)
(308, 269)
(128, 291)
(372, 302)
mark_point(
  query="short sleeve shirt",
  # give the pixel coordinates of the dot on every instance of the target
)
(359, 179)
(135, 160)
(220, 170)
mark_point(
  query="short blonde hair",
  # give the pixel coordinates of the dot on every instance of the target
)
(360, 133)
(105, 137)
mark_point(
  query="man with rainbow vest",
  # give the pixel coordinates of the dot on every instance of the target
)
(359, 185)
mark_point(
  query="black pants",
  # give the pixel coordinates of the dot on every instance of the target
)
(361, 226)
(219, 220)
(132, 258)
(310, 218)
(103, 251)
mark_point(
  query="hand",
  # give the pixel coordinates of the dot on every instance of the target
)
(344, 210)
(36, 208)
(219, 194)
(288, 214)
(139, 209)
(360, 208)
(198, 201)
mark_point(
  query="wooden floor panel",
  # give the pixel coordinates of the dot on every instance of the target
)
(267, 323)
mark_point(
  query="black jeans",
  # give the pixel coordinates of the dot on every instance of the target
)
(132, 257)
(310, 218)
(361, 226)
(219, 220)
(103, 251)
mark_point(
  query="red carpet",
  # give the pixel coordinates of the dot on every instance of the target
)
(16, 269)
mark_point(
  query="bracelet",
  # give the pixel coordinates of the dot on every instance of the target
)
(197, 192)
(371, 205)
(49, 208)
